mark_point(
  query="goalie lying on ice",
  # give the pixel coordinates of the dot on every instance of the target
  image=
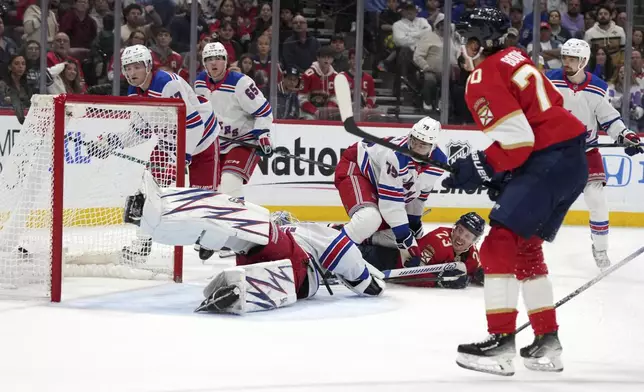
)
(278, 259)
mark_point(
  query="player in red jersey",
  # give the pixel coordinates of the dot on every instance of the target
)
(440, 246)
(542, 145)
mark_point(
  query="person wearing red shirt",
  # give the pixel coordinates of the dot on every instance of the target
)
(60, 53)
(163, 57)
(79, 26)
(318, 93)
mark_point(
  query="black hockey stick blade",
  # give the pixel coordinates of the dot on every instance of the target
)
(591, 282)
(279, 152)
(609, 145)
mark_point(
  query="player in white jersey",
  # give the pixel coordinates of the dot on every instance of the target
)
(244, 114)
(377, 184)
(201, 131)
(278, 260)
(585, 96)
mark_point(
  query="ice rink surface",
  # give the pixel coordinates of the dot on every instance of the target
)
(144, 336)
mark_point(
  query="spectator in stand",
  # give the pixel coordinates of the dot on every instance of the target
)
(505, 6)
(637, 66)
(103, 48)
(246, 22)
(606, 34)
(286, 24)
(246, 66)
(134, 20)
(428, 57)
(636, 104)
(262, 62)
(621, 19)
(99, 11)
(406, 33)
(559, 33)
(60, 53)
(591, 5)
(8, 49)
(227, 13)
(184, 72)
(264, 21)
(638, 40)
(512, 39)
(225, 36)
(137, 37)
(460, 113)
(434, 9)
(368, 89)
(300, 49)
(79, 26)
(590, 18)
(317, 95)
(163, 57)
(385, 43)
(14, 89)
(180, 27)
(516, 21)
(31, 53)
(65, 79)
(550, 48)
(288, 105)
(458, 10)
(572, 20)
(600, 64)
(340, 58)
(32, 23)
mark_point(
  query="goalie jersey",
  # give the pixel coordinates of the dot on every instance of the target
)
(201, 124)
(402, 184)
(242, 109)
(590, 103)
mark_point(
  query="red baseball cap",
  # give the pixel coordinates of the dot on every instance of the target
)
(545, 25)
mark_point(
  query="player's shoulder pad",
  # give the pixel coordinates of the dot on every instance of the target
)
(438, 155)
(131, 90)
(161, 78)
(555, 74)
(203, 75)
(596, 85)
(234, 77)
(510, 59)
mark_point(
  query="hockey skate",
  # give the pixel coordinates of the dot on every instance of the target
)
(601, 258)
(138, 252)
(204, 253)
(134, 209)
(544, 354)
(494, 355)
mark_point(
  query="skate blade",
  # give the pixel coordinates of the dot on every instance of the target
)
(544, 364)
(226, 253)
(499, 366)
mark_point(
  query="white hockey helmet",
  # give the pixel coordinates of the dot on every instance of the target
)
(427, 131)
(577, 48)
(283, 218)
(135, 54)
(213, 49)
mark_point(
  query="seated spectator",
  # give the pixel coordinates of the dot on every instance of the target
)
(617, 94)
(385, 54)
(550, 49)
(246, 22)
(65, 78)
(14, 88)
(286, 24)
(300, 49)
(100, 9)
(606, 34)
(60, 53)
(512, 39)
(79, 26)
(573, 20)
(434, 9)
(368, 89)
(180, 27)
(227, 13)
(428, 57)
(516, 21)
(31, 53)
(32, 23)
(134, 20)
(262, 62)
(184, 72)
(559, 33)
(225, 36)
(264, 21)
(317, 94)
(621, 19)
(8, 49)
(163, 57)
(103, 48)
(638, 40)
(288, 105)
(406, 34)
(601, 64)
(340, 58)
(638, 68)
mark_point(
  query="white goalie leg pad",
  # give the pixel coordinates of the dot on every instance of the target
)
(537, 293)
(262, 286)
(178, 216)
(595, 198)
(364, 222)
(231, 184)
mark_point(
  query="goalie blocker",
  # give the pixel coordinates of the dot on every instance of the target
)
(275, 260)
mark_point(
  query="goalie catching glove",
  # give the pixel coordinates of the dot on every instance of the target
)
(632, 142)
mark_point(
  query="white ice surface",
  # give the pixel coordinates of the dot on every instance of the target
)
(144, 337)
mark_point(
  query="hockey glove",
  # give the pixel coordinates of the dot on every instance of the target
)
(469, 173)
(409, 251)
(265, 143)
(104, 146)
(458, 278)
(632, 142)
(500, 180)
(415, 226)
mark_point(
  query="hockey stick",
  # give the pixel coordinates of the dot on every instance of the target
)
(412, 271)
(591, 282)
(278, 152)
(608, 145)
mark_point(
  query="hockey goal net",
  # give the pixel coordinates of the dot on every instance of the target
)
(61, 209)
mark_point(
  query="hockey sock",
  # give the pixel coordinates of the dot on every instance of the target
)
(539, 301)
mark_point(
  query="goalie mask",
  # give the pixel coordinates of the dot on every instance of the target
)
(467, 230)
(423, 136)
(281, 218)
(136, 64)
(575, 54)
(214, 58)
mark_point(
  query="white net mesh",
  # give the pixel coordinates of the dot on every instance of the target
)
(97, 181)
